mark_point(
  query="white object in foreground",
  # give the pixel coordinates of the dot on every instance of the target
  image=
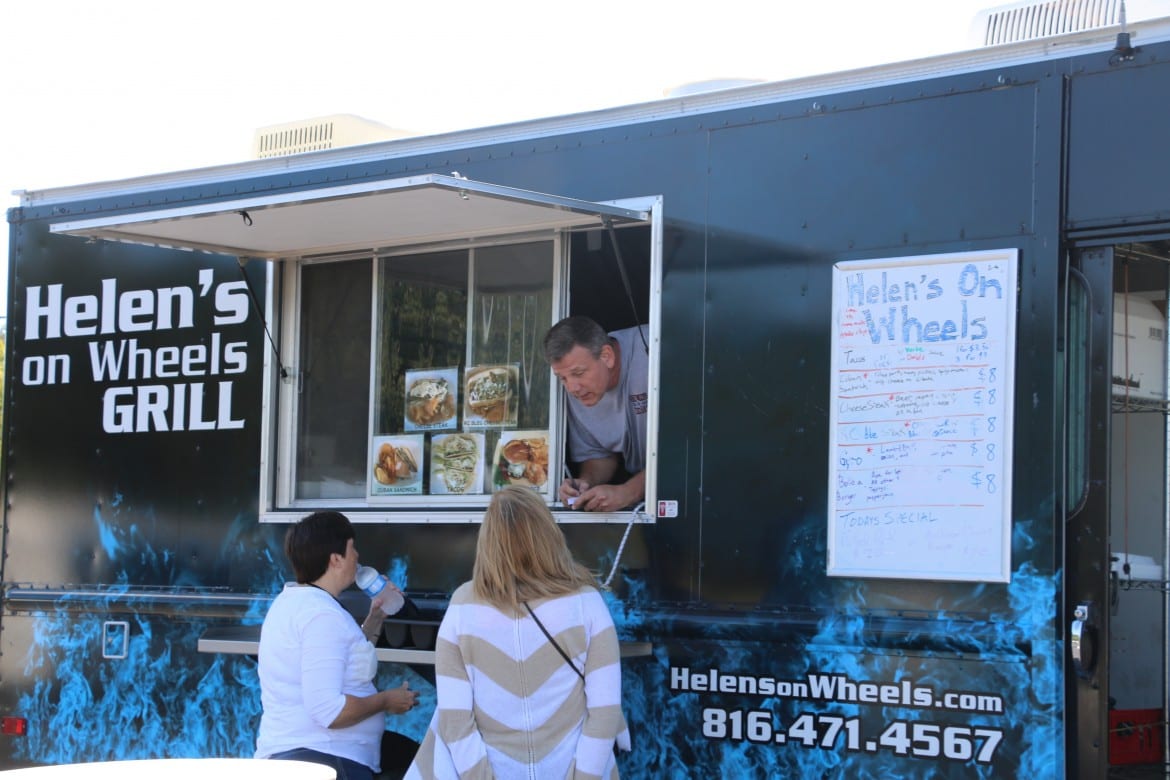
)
(179, 769)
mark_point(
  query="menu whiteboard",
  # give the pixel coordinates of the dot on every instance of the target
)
(920, 450)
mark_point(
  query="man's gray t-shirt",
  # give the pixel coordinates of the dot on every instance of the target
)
(617, 422)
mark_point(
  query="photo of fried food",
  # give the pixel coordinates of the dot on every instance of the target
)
(429, 401)
(522, 459)
(394, 464)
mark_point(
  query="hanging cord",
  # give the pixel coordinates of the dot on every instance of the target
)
(259, 313)
(617, 252)
(638, 511)
(634, 515)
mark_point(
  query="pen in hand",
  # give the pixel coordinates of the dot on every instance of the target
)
(570, 484)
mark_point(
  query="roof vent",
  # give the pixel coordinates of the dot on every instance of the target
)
(312, 135)
(1029, 21)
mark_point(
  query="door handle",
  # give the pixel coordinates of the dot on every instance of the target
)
(1083, 643)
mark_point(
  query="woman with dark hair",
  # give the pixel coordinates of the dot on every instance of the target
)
(526, 664)
(317, 665)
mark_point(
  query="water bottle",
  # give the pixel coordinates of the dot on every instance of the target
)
(374, 585)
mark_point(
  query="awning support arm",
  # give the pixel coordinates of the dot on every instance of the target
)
(617, 253)
(259, 313)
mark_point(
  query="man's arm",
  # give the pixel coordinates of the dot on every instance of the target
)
(596, 471)
(599, 471)
(593, 471)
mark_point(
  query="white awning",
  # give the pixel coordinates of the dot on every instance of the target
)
(369, 215)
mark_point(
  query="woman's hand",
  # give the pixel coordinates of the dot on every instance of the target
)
(358, 708)
(400, 700)
(373, 622)
(371, 626)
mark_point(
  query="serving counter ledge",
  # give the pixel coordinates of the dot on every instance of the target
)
(245, 640)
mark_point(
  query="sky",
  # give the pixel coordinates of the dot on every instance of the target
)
(110, 89)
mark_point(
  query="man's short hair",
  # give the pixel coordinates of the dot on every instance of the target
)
(573, 332)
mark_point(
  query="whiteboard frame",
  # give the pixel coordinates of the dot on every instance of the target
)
(998, 570)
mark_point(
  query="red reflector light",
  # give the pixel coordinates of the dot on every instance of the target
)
(14, 727)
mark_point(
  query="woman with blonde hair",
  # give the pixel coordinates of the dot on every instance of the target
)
(526, 663)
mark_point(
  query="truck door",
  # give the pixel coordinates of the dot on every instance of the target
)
(1116, 505)
(1089, 325)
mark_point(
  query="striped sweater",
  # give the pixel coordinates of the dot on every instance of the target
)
(508, 704)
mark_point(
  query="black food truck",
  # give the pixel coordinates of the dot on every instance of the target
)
(905, 509)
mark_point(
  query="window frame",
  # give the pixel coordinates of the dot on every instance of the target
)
(280, 412)
(289, 391)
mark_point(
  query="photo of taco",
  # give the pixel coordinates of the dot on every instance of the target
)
(457, 463)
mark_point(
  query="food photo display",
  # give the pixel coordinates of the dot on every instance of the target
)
(490, 399)
(457, 463)
(521, 458)
(396, 466)
(432, 398)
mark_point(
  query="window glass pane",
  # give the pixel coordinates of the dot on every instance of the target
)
(432, 436)
(334, 400)
(513, 304)
(422, 324)
(422, 343)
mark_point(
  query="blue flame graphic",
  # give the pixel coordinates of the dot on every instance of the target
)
(160, 701)
(397, 572)
(164, 699)
(1014, 655)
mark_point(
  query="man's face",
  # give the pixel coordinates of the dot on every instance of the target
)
(585, 377)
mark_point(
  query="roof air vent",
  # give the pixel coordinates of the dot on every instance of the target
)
(1031, 20)
(311, 135)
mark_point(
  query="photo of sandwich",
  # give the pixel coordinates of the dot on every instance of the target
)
(395, 468)
(431, 399)
(489, 396)
(457, 463)
(521, 459)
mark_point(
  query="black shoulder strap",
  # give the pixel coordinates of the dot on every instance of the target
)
(564, 655)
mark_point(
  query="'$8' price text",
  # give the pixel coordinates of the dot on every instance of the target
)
(903, 738)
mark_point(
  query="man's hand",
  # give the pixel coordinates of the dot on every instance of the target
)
(602, 498)
(612, 498)
(570, 490)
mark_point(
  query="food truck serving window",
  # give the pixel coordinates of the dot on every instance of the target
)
(419, 378)
(409, 382)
